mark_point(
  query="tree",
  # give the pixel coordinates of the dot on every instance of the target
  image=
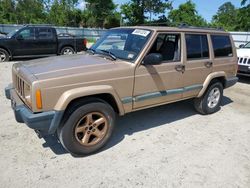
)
(135, 11)
(64, 13)
(244, 2)
(186, 13)
(100, 11)
(7, 11)
(30, 11)
(112, 20)
(226, 17)
(243, 19)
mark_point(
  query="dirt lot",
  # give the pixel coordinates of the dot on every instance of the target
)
(167, 146)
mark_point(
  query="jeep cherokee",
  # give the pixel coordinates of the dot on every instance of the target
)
(128, 69)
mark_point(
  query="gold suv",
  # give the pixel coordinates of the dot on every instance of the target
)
(128, 69)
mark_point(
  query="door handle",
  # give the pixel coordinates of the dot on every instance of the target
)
(180, 68)
(208, 64)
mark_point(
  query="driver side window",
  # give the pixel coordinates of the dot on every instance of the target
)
(28, 33)
(168, 45)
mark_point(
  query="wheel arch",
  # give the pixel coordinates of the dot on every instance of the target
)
(103, 92)
(216, 76)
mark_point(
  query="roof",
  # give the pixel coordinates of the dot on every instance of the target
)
(179, 29)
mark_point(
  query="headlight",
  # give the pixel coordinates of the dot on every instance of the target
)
(27, 93)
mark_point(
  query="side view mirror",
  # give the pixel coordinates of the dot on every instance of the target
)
(19, 37)
(152, 59)
(241, 46)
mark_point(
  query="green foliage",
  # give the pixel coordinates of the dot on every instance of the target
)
(186, 13)
(243, 19)
(112, 20)
(130, 12)
(135, 11)
(232, 19)
(7, 11)
(100, 10)
(103, 13)
(63, 13)
(226, 17)
(243, 2)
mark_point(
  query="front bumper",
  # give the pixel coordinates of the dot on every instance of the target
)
(44, 121)
(244, 70)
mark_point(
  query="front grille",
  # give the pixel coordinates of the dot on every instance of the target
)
(19, 85)
(244, 61)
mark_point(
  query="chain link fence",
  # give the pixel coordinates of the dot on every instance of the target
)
(92, 34)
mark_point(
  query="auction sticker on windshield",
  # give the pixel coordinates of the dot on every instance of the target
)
(141, 32)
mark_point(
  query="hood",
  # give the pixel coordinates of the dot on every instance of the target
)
(59, 66)
(243, 52)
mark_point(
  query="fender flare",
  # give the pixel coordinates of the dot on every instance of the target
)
(208, 81)
(72, 94)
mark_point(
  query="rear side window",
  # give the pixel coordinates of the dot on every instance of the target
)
(45, 33)
(222, 46)
(197, 46)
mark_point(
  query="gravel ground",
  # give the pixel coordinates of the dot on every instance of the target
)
(167, 146)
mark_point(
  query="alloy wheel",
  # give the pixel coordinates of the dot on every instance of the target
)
(213, 97)
(91, 129)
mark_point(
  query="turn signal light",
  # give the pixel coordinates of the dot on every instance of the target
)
(38, 99)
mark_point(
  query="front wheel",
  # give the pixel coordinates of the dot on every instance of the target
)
(211, 100)
(4, 55)
(67, 51)
(88, 128)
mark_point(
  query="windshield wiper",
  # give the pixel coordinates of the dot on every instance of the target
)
(91, 50)
(110, 54)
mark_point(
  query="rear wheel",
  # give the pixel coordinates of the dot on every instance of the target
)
(211, 100)
(67, 50)
(4, 55)
(88, 128)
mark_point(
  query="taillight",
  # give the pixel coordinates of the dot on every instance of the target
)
(85, 42)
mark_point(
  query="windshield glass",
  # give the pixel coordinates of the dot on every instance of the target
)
(9, 35)
(124, 43)
(247, 45)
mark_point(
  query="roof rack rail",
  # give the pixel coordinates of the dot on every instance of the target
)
(184, 25)
(155, 24)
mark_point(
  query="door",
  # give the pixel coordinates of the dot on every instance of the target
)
(25, 43)
(198, 63)
(46, 41)
(160, 83)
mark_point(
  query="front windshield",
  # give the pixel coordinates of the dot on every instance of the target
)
(124, 43)
(247, 45)
(10, 34)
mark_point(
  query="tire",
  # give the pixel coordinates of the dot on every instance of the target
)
(78, 134)
(4, 55)
(209, 103)
(67, 50)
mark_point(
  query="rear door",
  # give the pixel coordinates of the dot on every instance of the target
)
(198, 63)
(46, 41)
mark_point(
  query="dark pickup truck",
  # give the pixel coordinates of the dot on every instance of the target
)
(35, 41)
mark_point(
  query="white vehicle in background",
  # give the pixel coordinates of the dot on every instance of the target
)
(243, 54)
